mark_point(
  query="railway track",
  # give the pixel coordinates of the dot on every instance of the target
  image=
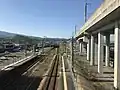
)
(22, 77)
(50, 79)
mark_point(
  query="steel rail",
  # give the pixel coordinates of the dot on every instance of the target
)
(49, 80)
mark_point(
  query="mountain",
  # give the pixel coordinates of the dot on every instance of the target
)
(17, 38)
(4, 34)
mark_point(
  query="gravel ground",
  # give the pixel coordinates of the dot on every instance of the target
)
(88, 78)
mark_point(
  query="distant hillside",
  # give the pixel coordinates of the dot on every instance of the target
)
(25, 39)
(6, 34)
(17, 38)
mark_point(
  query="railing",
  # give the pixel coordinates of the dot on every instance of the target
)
(105, 8)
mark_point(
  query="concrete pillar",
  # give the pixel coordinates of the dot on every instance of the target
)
(84, 48)
(100, 52)
(96, 51)
(77, 45)
(92, 51)
(107, 50)
(80, 47)
(117, 57)
(88, 49)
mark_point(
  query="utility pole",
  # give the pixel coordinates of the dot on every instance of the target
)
(75, 29)
(72, 52)
(25, 53)
(85, 10)
(34, 49)
(72, 45)
(42, 45)
(75, 33)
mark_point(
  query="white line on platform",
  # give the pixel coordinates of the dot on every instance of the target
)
(64, 75)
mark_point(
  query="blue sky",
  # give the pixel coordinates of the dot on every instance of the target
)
(51, 18)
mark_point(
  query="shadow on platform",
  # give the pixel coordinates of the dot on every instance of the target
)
(17, 81)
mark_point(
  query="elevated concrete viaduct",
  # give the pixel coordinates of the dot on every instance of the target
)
(96, 32)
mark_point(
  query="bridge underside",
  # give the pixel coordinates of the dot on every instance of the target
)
(98, 37)
(106, 23)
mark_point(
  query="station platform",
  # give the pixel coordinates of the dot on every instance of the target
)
(14, 62)
(11, 58)
(66, 79)
(18, 63)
